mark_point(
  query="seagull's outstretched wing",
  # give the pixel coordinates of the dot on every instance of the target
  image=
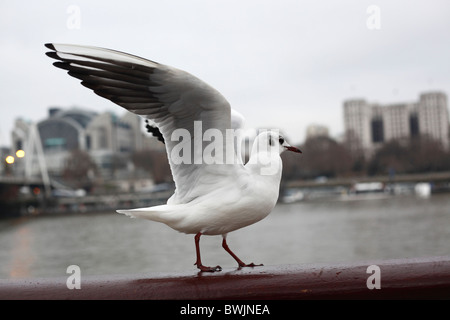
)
(173, 99)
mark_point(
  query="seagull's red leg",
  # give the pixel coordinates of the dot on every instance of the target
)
(239, 261)
(199, 260)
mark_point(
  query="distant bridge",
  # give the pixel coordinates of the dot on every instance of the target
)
(13, 203)
(20, 180)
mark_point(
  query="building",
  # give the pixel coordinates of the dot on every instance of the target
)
(432, 117)
(369, 125)
(106, 137)
(316, 130)
(357, 122)
(62, 132)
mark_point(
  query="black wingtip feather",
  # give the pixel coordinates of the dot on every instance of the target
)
(89, 85)
(50, 46)
(62, 65)
(53, 55)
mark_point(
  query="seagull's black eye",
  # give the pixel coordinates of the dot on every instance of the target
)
(281, 140)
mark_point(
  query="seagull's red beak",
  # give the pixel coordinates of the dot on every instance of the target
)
(294, 149)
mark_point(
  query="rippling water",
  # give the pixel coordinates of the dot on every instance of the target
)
(306, 232)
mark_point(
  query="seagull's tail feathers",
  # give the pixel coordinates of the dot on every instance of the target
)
(162, 213)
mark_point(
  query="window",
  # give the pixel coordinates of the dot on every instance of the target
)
(88, 142)
(377, 130)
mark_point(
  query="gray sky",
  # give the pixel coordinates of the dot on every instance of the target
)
(282, 64)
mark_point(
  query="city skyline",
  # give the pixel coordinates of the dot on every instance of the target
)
(281, 64)
(309, 129)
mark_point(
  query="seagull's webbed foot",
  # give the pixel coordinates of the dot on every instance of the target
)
(198, 263)
(251, 265)
(241, 264)
(208, 269)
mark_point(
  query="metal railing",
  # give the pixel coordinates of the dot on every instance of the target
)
(420, 278)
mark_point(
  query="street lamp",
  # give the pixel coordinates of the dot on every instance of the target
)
(20, 153)
(9, 159)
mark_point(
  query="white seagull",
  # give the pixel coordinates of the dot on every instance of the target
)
(211, 198)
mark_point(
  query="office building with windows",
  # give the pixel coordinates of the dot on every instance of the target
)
(369, 125)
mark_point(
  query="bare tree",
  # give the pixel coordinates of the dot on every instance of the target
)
(420, 154)
(79, 168)
(155, 162)
(324, 156)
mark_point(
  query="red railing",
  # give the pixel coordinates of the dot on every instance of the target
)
(421, 278)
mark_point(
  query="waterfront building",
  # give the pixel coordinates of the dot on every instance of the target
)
(107, 138)
(369, 125)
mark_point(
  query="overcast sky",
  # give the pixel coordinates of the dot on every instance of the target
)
(282, 64)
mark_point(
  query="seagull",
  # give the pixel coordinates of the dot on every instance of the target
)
(210, 198)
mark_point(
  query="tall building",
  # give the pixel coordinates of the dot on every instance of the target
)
(357, 123)
(432, 117)
(369, 125)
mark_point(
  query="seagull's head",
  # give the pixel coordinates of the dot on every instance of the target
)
(266, 152)
(270, 140)
(285, 146)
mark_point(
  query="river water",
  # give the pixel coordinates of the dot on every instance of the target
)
(303, 232)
